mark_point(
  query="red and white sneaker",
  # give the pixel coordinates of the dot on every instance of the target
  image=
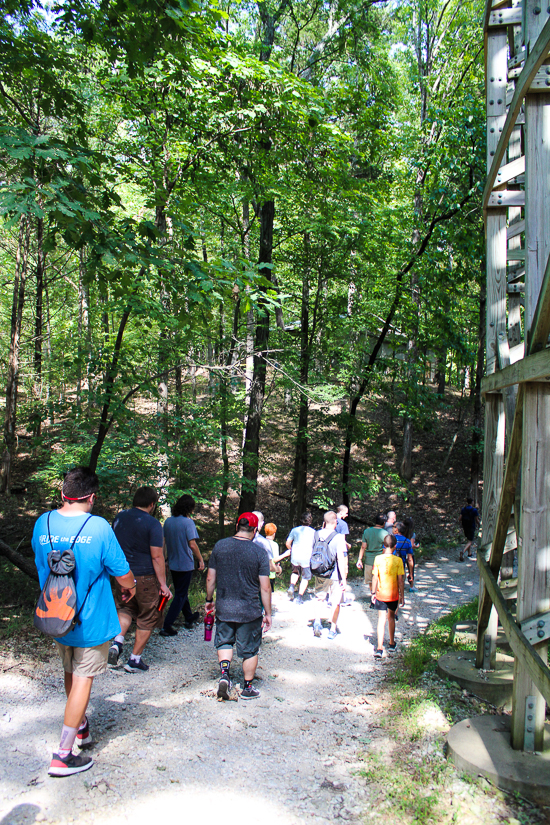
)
(83, 737)
(66, 765)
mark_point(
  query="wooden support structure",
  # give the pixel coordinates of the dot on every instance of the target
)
(516, 203)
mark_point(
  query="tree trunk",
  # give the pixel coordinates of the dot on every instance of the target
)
(38, 320)
(225, 380)
(299, 478)
(251, 449)
(477, 429)
(18, 301)
(22, 562)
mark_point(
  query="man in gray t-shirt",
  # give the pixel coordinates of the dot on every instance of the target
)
(239, 572)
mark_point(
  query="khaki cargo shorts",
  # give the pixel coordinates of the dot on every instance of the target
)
(143, 606)
(84, 661)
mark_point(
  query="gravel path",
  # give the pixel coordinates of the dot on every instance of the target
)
(165, 747)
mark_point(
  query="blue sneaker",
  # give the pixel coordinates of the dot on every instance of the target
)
(317, 628)
(134, 667)
(332, 634)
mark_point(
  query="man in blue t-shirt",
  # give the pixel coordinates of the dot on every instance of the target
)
(83, 650)
(342, 513)
(404, 549)
(140, 536)
(469, 519)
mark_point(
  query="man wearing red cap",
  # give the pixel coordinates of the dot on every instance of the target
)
(239, 570)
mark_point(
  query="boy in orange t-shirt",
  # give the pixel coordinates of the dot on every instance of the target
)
(387, 591)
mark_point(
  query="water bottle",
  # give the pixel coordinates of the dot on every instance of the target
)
(208, 625)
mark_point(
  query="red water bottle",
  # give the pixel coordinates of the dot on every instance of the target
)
(208, 625)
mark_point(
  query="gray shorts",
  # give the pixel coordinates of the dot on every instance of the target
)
(246, 635)
(304, 572)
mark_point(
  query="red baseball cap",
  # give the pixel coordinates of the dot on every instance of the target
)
(250, 517)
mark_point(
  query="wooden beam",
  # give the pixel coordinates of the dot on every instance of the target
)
(507, 495)
(505, 17)
(505, 197)
(511, 170)
(516, 229)
(540, 327)
(523, 650)
(533, 368)
(531, 67)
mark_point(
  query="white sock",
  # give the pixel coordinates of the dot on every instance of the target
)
(119, 639)
(68, 735)
(135, 658)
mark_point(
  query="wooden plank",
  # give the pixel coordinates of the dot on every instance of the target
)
(532, 368)
(506, 502)
(537, 628)
(523, 650)
(540, 327)
(515, 255)
(505, 17)
(506, 197)
(531, 67)
(534, 558)
(510, 170)
(495, 324)
(515, 229)
(517, 352)
(495, 125)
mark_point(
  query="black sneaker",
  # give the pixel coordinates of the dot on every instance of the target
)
(250, 693)
(196, 616)
(378, 653)
(114, 652)
(132, 666)
(168, 631)
(189, 625)
(392, 648)
(83, 736)
(224, 687)
(66, 765)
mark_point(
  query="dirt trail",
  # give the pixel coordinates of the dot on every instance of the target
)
(165, 747)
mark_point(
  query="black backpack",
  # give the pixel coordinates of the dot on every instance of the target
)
(55, 613)
(323, 558)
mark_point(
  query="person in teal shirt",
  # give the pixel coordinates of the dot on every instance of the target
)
(372, 545)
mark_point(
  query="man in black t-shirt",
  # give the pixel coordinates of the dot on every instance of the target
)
(239, 570)
(469, 519)
(140, 536)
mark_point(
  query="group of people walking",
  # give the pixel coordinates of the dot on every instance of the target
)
(241, 571)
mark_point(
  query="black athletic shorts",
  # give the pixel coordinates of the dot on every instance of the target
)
(246, 635)
(469, 532)
(386, 605)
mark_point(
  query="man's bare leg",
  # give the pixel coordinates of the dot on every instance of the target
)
(381, 627)
(249, 668)
(78, 689)
(142, 637)
(391, 626)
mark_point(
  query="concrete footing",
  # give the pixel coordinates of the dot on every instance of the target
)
(482, 746)
(494, 686)
(466, 633)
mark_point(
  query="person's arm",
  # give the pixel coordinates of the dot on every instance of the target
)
(361, 554)
(410, 565)
(288, 545)
(265, 595)
(159, 564)
(282, 556)
(210, 587)
(197, 553)
(342, 563)
(127, 585)
(401, 588)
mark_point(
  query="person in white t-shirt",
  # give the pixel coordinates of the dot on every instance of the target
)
(299, 547)
(335, 585)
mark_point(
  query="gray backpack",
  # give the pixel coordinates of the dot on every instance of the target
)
(55, 613)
